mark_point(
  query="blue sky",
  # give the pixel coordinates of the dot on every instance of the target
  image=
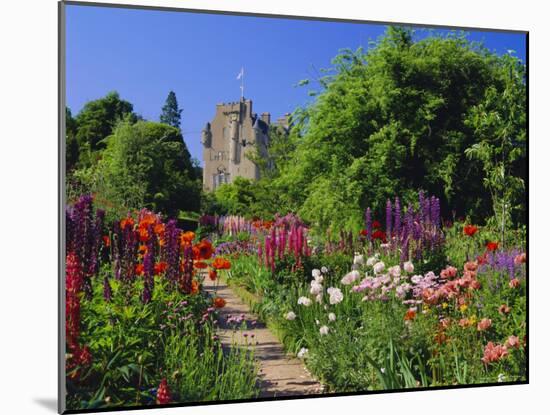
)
(143, 54)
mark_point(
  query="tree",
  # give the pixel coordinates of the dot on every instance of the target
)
(171, 113)
(396, 119)
(147, 164)
(96, 121)
(71, 145)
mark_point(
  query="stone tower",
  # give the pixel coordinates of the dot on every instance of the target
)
(234, 133)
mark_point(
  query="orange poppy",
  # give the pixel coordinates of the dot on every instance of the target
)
(159, 229)
(410, 314)
(219, 302)
(106, 240)
(126, 222)
(200, 264)
(221, 263)
(187, 238)
(195, 287)
(203, 250)
(139, 269)
(142, 249)
(143, 235)
(212, 274)
(148, 219)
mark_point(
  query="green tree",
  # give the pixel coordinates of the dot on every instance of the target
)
(96, 121)
(171, 113)
(72, 148)
(396, 119)
(147, 164)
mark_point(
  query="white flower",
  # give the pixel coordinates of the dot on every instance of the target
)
(332, 317)
(315, 273)
(501, 377)
(304, 301)
(383, 369)
(324, 270)
(317, 322)
(303, 353)
(358, 259)
(316, 288)
(385, 246)
(335, 294)
(379, 267)
(371, 261)
(290, 315)
(350, 277)
(408, 267)
(323, 330)
(319, 298)
(395, 271)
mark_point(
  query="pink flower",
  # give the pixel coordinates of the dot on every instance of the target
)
(520, 259)
(493, 353)
(484, 324)
(514, 283)
(504, 309)
(512, 342)
(448, 273)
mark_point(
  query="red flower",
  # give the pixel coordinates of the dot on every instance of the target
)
(212, 274)
(363, 232)
(410, 314)
(163, 393)
(221, 263)
(139, 269)
(203, 250)
(492, 246)
(219, 302)
(126, 222)
(482, 259)
(200, 264)
(143, 235)
(470, 230)
(160, 267)
(378, 234)
(376, 225)
(106, 241)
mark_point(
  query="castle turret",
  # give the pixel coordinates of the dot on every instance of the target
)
(206, 136)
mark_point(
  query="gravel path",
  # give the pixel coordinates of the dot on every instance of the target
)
(280, 374)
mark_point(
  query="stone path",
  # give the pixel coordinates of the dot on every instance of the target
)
(280, 374)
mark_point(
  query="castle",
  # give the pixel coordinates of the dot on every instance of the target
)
(234, 136)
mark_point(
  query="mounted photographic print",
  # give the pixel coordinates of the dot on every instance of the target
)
(259, 207)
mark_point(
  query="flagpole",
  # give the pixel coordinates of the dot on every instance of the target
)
(242, 83)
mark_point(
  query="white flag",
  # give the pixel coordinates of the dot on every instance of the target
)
(241, 74)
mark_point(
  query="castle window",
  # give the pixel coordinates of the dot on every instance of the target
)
(219, 179)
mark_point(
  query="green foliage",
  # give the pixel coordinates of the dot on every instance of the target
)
(399, 118)
(243, 197)
(146, 164)
(96, 121)
(171, 113)
(134, 345)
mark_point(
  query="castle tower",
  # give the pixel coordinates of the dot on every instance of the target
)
(234, 134)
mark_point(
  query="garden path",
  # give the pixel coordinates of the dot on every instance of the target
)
(280, 374)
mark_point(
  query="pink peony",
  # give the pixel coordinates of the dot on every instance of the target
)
(484, 324)
(514, 283)
(448, 273)
(512, 342)
(493, 353)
